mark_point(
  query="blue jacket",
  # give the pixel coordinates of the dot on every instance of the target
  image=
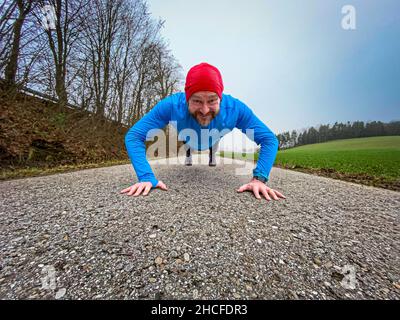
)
(233, 113)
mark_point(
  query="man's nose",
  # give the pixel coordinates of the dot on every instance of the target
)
(204, 109)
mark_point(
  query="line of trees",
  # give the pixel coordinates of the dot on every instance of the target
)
(323, 133)
(103, 56)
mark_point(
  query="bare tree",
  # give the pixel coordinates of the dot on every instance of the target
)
(7, 16)
(24, 7)
(167, 71)
(68, 26)
(101, 27)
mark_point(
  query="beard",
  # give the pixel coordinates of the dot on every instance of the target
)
(204, 120)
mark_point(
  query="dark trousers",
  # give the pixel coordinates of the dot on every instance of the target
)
(212, 149)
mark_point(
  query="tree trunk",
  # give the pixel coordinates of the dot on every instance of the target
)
(12, 65)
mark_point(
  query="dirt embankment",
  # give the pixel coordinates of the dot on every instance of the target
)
(36, 139)
(34, 134)
(360, 178)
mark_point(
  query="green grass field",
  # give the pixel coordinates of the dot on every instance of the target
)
(372, 158)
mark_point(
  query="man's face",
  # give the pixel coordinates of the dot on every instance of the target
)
(204, 106)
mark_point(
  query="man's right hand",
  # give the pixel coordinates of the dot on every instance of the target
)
(144, 187)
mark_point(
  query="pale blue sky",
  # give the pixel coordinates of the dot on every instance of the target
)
(290, 60)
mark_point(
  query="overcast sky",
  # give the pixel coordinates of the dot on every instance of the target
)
(291, 61)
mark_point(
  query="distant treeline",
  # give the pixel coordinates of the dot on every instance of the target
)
(323, 133)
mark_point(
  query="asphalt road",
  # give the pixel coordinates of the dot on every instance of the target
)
(73, 235)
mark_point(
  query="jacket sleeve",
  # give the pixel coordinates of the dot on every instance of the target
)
(135, 138)
(262, 135)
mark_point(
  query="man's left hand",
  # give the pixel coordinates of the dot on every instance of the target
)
(258, 187)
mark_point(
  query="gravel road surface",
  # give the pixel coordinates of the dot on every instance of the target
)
(74, 236)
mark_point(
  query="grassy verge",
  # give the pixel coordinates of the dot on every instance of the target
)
(35, 171)
(239, 155)
(18, 173)
(372, 161)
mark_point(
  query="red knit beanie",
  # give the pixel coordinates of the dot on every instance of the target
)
(203, 77)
